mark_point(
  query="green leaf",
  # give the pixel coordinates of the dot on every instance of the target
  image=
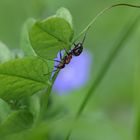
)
(49, 36)
(23, 77)
(40, 132)
(65, 13)
(24, 41)
(4, 110)
(35, 106)
(5, 53)
(16, 122)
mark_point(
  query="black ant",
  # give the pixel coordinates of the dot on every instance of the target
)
(78, 48)
(76, 51)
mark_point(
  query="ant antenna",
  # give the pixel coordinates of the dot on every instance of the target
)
(84, 38)
(101, 13)
(49, 72)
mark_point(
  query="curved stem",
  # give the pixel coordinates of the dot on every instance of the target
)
(104, 70)
(101, 13)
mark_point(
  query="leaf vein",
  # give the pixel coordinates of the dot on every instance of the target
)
(23, 77)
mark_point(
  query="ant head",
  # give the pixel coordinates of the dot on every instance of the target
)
(78, 49)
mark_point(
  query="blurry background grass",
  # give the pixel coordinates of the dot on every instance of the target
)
(110, 114)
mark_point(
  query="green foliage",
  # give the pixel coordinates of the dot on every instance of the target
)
(23, 77)
(49, 36)
(5, 53)
(24, 41)
(26, 83)
(40, 132)
(53, 34)
(16, 122)
(5, 110)
(113, 54)
(35, 106)
(64, 13)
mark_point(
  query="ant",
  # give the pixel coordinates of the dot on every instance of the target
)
(78, 48)
(76, 51)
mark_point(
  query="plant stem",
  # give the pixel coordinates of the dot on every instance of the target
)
(101, 13)
(45, 96)
(137, 127)
(137, 97)
(104, 69)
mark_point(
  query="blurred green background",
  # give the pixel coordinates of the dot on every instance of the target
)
(113, 111)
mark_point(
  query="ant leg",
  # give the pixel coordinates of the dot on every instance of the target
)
(84, 38)
(66, 51)
(54, 60)
(60, 55)
(50, 72)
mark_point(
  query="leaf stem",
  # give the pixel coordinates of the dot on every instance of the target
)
(104, 70)
(101, 13)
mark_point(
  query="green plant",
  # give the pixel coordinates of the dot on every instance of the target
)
(24, 89)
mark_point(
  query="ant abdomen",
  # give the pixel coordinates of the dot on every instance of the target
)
(60, 66)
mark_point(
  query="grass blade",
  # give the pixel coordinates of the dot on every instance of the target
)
(113, 54)
(137, 95)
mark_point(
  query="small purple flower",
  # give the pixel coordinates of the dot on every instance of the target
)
(74, 75)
